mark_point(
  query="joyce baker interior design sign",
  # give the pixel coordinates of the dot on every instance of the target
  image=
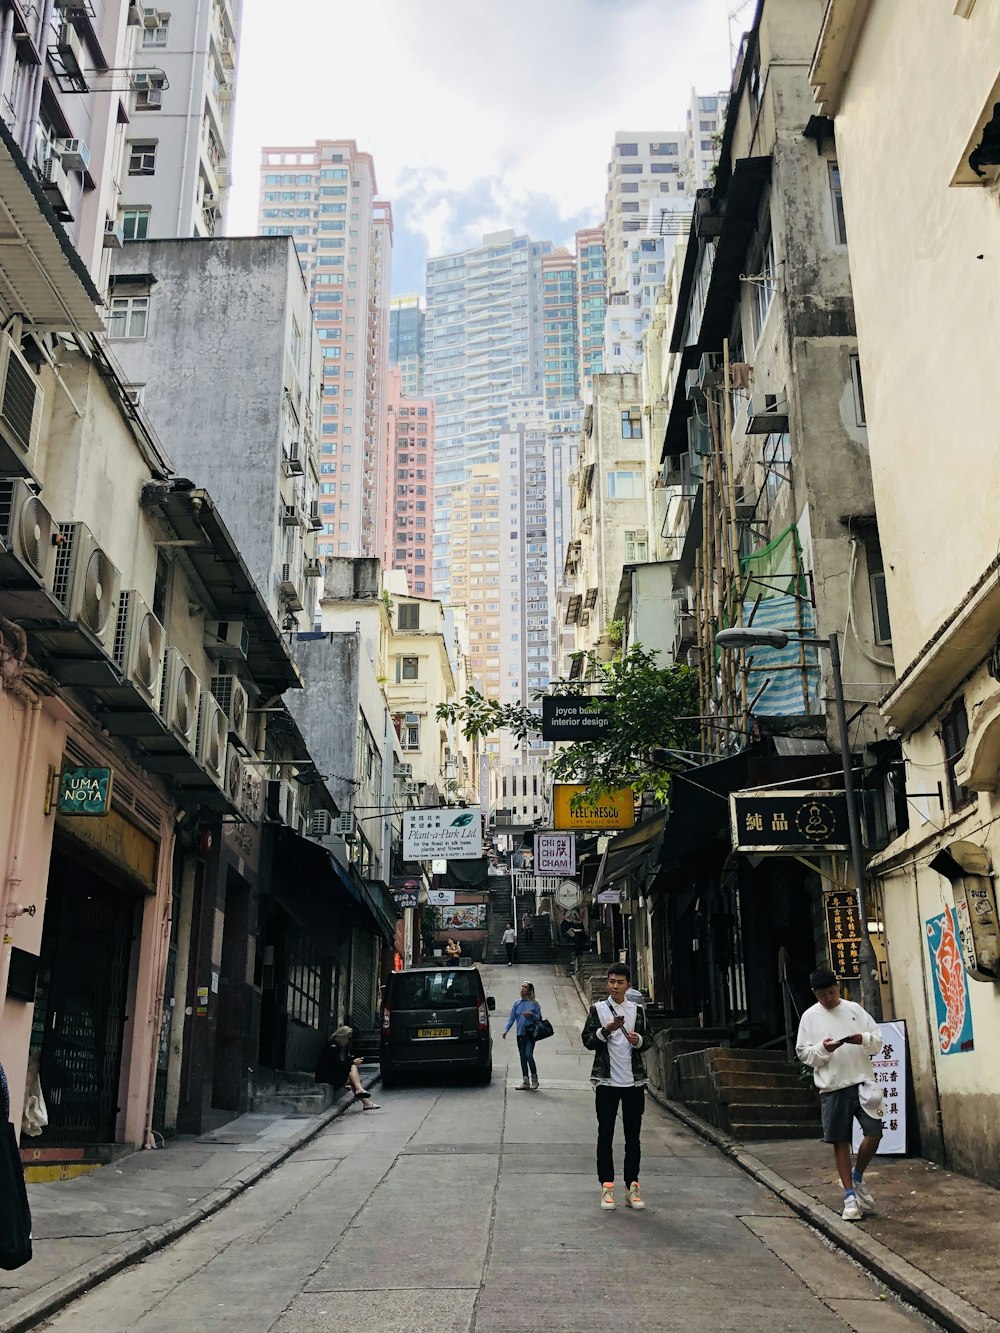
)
(85, 791)
(789, 821)
(572, 717)
(451, 833)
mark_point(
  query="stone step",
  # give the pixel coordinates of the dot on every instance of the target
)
(729, 1082)
(304, 1103)
(754, 1093)
(725, 1064)
(774, 1129)
(740, 1110)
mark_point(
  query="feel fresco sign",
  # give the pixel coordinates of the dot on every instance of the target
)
(84, 791)
(951, 985)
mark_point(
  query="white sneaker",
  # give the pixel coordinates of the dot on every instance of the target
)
(634, 1199)
(852, 1209)
(608, 1196)
(865, 1196)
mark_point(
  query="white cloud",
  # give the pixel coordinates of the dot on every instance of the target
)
(478, 115)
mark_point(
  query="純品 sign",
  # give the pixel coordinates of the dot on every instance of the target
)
(84, 791)
(789, 821)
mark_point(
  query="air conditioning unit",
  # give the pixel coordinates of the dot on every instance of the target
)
(114, 234)
(411, 788)
(289, 516)
(85, 583)
(288, 590)
(27, 530)
(289, 803)
(150, 17)
(405, 770)
(139, 645)
(710, 370)
(767, 414)
(224, 92)
(744, 502)
(213, 733)
(21, 398)
(320, 823)
(315, 521)
(293, 460)
(411, 720)
(235, 703)
(74, 153)
(70, 48)
(346, 827)
(56, 186)
(313, 568)
(180, 697)
(227, 639)
(233, 784)
(226, 53)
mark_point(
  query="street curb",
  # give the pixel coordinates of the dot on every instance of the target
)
(55, 1296)
(945, 1307)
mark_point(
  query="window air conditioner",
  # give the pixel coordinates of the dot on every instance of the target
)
(85, 583)
(74, 153)
(710, 370)
(313, 568)
(227, 639)
(27, 534)
(114, 234)
(150, 17)
(320, 823)
(70, 48)
(411, 719)
(140, 641)
(213, 732)
(289, 516)
(767, 414)
(412, 788)
(315, 521)
(179, 698)
(293, 460)
(56, 187)
(235, 703)
(346, 827)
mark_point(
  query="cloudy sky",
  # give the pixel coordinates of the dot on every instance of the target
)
(480, 114)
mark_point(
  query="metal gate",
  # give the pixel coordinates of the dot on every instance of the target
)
(362, 982)
(88, 948)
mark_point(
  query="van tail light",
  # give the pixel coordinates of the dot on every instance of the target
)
(385, 1018)
(484, 1017)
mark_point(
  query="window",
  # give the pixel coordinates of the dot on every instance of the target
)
(859, 393)
(625, 485)
(876, 584)
(837, 197)
(156, 36)
(777, 458)
(135, 223)
(635, 547)
(305, 978)
(129, 317)
(763, 283)
(141, 159)
(663, 150)
(410, 738)
(954, 736)
(632, 423)
(409, 668)
(628, 150)
(408, 615)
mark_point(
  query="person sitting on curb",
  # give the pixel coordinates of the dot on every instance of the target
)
(338, 1067)
(837, 1040)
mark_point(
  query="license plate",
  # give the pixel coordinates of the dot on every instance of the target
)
(433, 1032)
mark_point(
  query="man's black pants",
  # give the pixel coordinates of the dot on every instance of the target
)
(633, 1103)
(510, 952)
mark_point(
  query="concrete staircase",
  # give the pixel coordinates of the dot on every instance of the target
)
(751, 1094)
(289, 1094)
(502, 911)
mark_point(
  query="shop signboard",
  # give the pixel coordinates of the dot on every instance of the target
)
(555, 854)
(406, 893)
(441, 897)
(610, 897)
(449, 832)
(889, 1073)
(789, 821)
(844, 931)
(614, 810)
(572, 717)
(85, 791)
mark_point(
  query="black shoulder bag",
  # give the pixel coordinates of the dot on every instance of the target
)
(15, 1216)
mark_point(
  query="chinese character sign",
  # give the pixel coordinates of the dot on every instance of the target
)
(789, 821)
(451, 833)
(951, 985)
(555, 854)
(889, 1071)
(844, 932)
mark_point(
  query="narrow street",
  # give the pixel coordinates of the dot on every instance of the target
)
(457, 1208)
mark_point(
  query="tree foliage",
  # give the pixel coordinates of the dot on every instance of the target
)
(649, 710)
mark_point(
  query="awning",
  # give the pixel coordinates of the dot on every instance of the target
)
(675, 435)
(42, 277)
(306, 883)
(630, 851)
(750, 178)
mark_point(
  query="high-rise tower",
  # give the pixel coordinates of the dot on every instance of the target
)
(407, 317)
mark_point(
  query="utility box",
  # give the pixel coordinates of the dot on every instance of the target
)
(970, 871)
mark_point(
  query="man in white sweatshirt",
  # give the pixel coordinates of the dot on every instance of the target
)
(837, 1040)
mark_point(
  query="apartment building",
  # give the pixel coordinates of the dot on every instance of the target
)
(178, 141)
(325, 197)
(483, 348)
(560, 324)
(407, 317)
(420, 678)
(592, 300)
(407, 500)
(705, 117)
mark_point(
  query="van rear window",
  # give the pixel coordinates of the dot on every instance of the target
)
(435, 990)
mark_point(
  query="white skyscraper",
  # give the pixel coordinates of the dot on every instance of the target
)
(483, 349)
(178, 142)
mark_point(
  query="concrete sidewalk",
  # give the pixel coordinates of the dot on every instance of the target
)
(87, 1229)
(935, 1238)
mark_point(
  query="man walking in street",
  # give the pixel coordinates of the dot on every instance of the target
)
(837, 1040)
(616, 1032)
(509, 940)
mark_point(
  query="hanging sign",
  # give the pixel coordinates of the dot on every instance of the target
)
(441, 897)
(572, 717)
(555, 854)
(610, 897)
(789, 821)
(889, 1072)
(844, 931)
(450, 833)
(84, 791)
(615, 810)
(406, 893)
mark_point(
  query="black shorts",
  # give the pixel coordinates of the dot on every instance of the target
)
(840, 1109)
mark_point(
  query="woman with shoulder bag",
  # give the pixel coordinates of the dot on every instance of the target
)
(525, 1014)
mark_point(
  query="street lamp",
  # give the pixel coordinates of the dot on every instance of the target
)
(737, 638)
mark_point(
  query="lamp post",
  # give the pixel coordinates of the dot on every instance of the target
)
(737, 638)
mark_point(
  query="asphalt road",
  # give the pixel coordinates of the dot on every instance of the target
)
(463, 1209)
